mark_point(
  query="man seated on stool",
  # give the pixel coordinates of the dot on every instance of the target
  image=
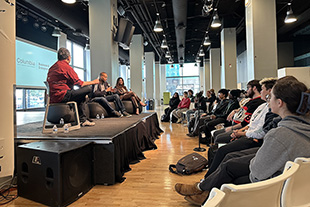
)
(104, 90)
(61, 78)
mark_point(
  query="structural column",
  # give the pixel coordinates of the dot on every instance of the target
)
(7, 85)
(202, 77)
(215, 68)
(62, 40)
(136, 63)
(206, 75)
(162, 74)
(157, 83)
(229, 58)
(102, 27)
(261, 37)
(149, 74)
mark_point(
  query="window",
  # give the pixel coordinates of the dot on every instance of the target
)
(180, 79)
(77, 58)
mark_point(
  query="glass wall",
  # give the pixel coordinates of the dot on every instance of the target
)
(179, 79)
(27, 98)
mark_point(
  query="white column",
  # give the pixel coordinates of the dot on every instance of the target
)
(202, 78)
(104, 51)
(162, 73)
(261, 37)
(7, 85)
(136, 64)
(215, 69)
(207, 75)
(62, 40)
(157, 84)
(149, 74)
(229, 58)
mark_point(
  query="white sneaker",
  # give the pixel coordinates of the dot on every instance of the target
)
(88, 123)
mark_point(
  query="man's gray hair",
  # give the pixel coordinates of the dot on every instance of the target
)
(63, 53)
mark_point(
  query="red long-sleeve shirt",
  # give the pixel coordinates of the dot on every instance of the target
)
(61, 77)
(185, 102)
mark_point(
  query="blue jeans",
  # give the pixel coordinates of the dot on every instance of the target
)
(118, 103)
(104, 103)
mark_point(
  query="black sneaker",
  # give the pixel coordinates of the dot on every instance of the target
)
(117, 114)
(126, 114)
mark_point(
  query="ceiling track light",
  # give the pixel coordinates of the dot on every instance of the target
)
(216, 22)
(43, 27)
(290, 17)
(164, 44)
(56, 32)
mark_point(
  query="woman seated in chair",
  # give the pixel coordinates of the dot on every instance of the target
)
(173, 104)
(125, 94)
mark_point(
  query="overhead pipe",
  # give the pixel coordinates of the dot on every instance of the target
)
(180, 21)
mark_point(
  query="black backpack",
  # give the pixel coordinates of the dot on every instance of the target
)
(189, 164)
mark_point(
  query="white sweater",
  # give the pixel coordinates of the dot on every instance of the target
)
(257, 121)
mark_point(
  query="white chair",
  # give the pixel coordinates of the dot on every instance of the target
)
(265, 193)
(296, 189)
(48, 128)
(215, 198)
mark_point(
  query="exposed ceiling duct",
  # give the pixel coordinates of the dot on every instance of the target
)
(180, 22)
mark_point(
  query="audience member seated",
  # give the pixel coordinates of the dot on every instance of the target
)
(220, 118)
(191, 95)
(219, 112)
(104, 93)
(125, 94)
(182, 107)
(210, 99)
(291, 139)
(61, 78)
(200, 107)
(173, 104)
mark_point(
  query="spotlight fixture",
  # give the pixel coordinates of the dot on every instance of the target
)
(195, 65)
(207, 41)
(181, 65)
(170, 61)
(201, 53)
(44, 27)
(25, 19)
(198, 60)
(36, 24)
(216, 20)
(290, 17)
(164, 44)
(56, 32)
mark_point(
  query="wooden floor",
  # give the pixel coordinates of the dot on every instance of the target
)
(149, 183)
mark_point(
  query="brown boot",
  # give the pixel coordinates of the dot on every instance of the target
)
(187, 190)
(197, 199)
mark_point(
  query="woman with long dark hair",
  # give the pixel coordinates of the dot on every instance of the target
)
(173, 104)
(125, 94)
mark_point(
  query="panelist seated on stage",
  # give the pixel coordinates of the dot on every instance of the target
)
(125, 94)
(61, 78)
(103, 92)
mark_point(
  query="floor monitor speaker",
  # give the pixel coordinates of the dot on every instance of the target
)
(54, 173)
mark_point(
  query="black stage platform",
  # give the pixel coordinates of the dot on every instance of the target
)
(118, 142)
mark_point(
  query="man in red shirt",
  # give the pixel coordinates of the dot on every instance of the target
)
(61, 78)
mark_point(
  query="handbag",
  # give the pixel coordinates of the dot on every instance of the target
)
(189, 164)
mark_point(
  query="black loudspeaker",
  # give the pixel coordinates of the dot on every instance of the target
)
(54, 173)
(104, 167)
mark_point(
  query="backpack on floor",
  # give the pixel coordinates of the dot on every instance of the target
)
(189, 164)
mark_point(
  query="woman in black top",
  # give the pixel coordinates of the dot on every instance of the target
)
(173, 104)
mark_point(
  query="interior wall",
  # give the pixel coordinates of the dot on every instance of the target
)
(285, 54)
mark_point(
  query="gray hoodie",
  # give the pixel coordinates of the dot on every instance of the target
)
(291, 139)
